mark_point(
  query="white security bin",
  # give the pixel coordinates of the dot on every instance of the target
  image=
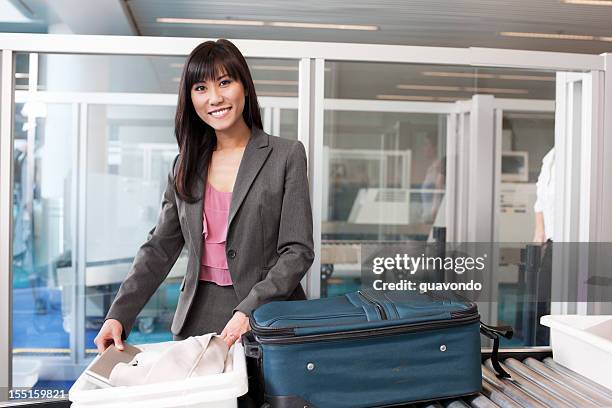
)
(210, 391)
(583, 344)
(25, 372)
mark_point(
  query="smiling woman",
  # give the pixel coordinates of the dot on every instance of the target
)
(236, 197)
(215, 77)
(217, 101)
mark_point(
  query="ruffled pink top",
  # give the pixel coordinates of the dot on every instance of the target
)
(214, 262)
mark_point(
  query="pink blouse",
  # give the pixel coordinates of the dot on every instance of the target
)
(214, 262)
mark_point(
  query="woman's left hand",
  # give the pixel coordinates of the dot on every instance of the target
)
(235, 328)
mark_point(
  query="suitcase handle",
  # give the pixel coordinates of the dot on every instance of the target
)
(252, 348)
(494, 332)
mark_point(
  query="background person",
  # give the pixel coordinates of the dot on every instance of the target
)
(544, 234)
(544, 206)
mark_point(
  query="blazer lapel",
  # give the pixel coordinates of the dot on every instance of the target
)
(254, 156)
(194, 213)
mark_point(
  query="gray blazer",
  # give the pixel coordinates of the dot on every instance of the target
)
(269, 243)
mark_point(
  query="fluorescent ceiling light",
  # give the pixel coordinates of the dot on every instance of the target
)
(548, 36)
(555, 36)
(457, 74)
(273, 82)
(274, 93)
(208, 21)
(406, 97)
(527, 77)
(419, 98)
(429, 87)
(462, 89)
(279, 68)
(324, 26)
(479, 75)
(526, 115)
(289, 24)
(274, 67)
(450, 99)
(497, 90)
(589, 2)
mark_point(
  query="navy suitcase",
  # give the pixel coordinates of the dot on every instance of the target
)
(369, 349)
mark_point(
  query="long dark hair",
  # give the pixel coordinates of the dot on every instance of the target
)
(195, 138)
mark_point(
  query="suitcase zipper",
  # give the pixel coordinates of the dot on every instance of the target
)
(335, 316)
(456, 314)
(355, 334)
(380, 308)
(270, 330)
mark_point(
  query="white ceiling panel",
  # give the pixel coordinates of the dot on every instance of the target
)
(463, 23)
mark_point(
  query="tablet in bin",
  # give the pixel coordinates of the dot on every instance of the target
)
(100, 370)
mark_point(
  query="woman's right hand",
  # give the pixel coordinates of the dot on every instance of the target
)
(109, 333)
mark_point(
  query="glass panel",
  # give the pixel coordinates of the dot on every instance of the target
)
(288, 124)
(274, 77)
(385, 173)
(129, 152)
(22, 67)
(433, 83)
(385, 182)
(527, 137)
(150, 74)
(527, 163)
(42, 244)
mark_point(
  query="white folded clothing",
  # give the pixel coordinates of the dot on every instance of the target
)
(192, 357)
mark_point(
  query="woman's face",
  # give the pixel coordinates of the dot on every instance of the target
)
(219, 102)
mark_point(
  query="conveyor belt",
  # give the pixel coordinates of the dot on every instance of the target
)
(537, 382)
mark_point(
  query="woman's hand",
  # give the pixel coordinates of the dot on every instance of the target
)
(235, 328)
(109, 333)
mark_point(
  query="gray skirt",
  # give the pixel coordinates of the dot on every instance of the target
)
(210, 311)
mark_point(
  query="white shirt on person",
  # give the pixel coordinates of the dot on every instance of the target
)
(545, 190)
